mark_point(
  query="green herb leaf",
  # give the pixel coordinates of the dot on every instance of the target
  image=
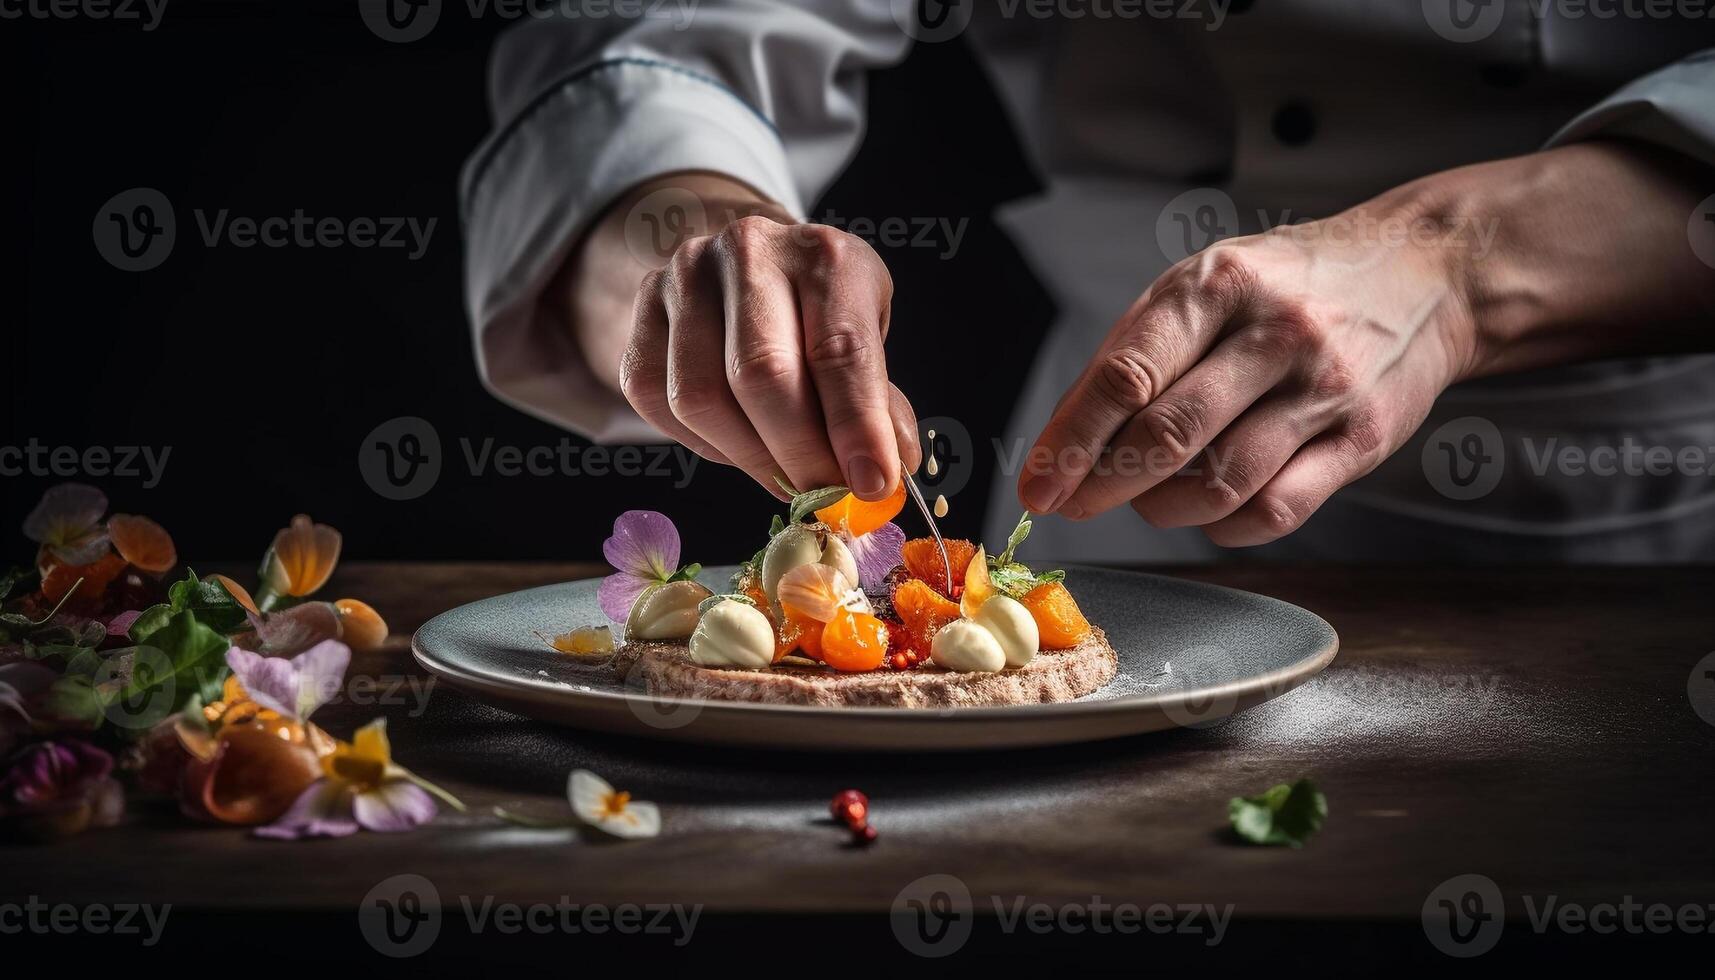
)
(688, 573)
(194, 660)
(776, 526)
(213, 605)
(1282, 815)
(810, 501)
(1016, 538)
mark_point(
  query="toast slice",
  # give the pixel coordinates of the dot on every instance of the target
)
(666, 670)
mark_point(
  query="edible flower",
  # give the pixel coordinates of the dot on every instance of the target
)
(67, 523)
(56, 789)
(361, 788)
(644, 551)
(597, 804)
(296, 687)
(877, 553)
(301, 559)
(142, 542)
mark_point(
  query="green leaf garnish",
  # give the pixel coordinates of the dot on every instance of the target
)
(1015, 539)
(688, 573)
(715, 600)
(208, 601)
(1282, 815)
(11, 579)
(775, 526)
(811, 501)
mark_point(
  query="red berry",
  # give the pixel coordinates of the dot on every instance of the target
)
(850, 807)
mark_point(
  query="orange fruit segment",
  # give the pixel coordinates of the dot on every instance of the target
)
(922, 611)
(1058, 619)
(860, 517)
(797, 632)
(142, 542)
(58, 579)
(978, 586)
(854, 641)
(923, 561)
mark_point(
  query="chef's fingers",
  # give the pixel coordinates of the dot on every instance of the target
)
(643, 369)
(1160, 338)
(1324, 465)
(1236, 465)
(697, 391)
(765, 366)
(845, 297)
(1171, 431)
(905, 428)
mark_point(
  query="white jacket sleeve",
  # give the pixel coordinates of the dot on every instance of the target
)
(1673, 107)
(769, 92)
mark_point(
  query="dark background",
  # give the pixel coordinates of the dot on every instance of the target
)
(264, 368)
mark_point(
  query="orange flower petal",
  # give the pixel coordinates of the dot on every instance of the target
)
(859, 517)
(306, 554)
(239, 592)
(257, 772)
(142, 542)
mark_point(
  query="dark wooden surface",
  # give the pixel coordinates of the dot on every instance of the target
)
(1531, 725)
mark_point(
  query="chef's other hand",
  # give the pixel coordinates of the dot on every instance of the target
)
(1254, 379)
(757, 343)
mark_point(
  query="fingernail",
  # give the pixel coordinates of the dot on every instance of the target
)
(865, 476)
(1040, 494)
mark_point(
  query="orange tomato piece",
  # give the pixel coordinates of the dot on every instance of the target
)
(978, 586)
(142, 542)
(923, 561)
(922, 611)
(860, 517)
(1058, 619)
(854, 641)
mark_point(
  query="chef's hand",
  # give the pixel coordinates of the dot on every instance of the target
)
(756, 342)
(1254, 379)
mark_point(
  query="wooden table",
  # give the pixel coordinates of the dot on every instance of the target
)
(1529, 725)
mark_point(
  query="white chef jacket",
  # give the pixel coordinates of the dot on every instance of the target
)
(1287, 109)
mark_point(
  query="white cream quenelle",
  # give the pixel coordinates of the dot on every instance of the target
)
(963, 645)
(733, 633)
(800, 545)
(665, 611)
(1012, 626)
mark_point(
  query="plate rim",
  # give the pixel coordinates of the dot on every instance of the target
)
(1279, 680)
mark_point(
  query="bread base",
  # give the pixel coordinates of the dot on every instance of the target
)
(666, 670)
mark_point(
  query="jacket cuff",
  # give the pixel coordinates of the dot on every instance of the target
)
(1673, 108)
(540, 179)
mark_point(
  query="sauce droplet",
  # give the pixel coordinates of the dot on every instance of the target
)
(932, 467)
(931, 435)
(940, 505)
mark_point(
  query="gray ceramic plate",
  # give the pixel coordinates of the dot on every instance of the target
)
(1189, 655)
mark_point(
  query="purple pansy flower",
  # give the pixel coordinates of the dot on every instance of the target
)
(295, 687)
(877, 553)
(644, 550)
(59, 788)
